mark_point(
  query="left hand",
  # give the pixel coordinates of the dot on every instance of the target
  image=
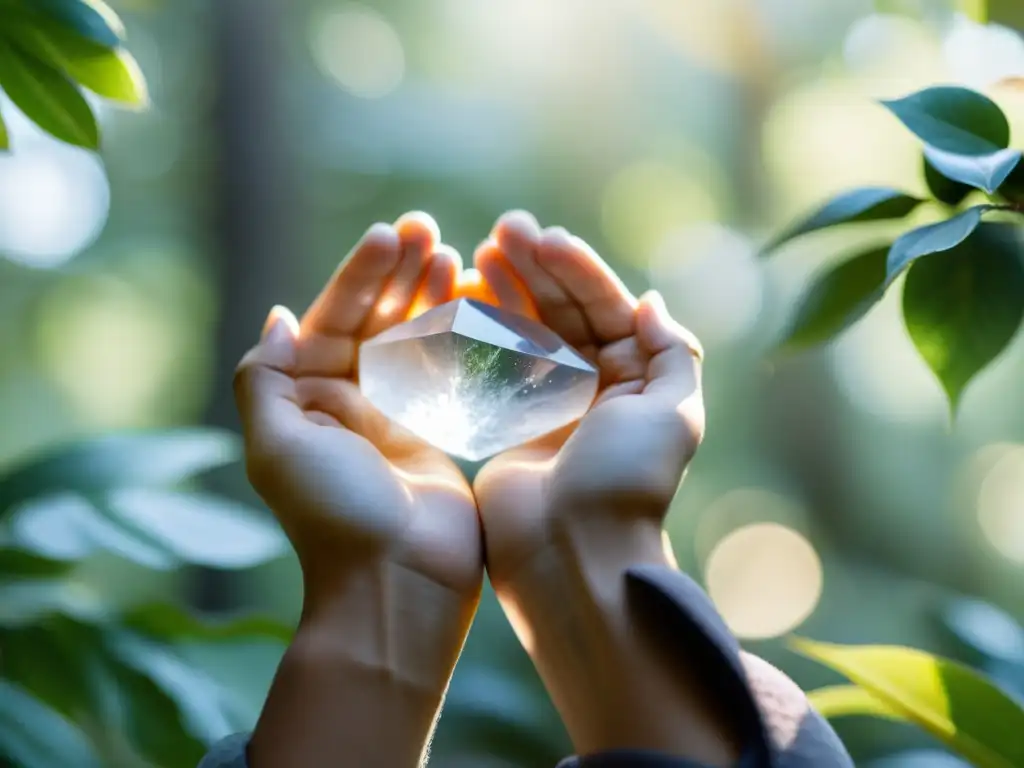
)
(620, 466)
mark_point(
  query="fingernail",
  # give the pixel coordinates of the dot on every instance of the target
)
(281, 326)
(422, 219)
(657, 302)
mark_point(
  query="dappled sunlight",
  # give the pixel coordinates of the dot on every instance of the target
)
(765, 579)
(828, 136)
(647, 201)
(359, 48)
(711, 280)
(109, 349)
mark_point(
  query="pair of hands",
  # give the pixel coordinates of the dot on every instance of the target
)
(349, 486)
(393, 541)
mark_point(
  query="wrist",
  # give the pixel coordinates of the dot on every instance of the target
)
(614, 687)
(389, 618)
(366, 672)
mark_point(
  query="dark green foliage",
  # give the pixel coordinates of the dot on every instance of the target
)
(964, 294)
(838, 298)
(962, 306)
(52, 49)
(115, 687)
(857, 205)
(955, 120)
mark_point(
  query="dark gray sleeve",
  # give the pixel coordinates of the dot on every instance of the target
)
(779, 728)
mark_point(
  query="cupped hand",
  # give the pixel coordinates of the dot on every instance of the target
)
(347, 485)
(622, 463)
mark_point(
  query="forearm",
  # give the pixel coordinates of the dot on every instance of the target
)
(365, 676)
(614, 687)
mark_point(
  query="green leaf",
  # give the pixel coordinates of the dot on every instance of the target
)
(70, 527)
(28, 601)
(964, 305)
(5, 139)
(208, 711)
(838, 298)
(108, 72)
(93, 19)
(165, 621)
(199, 528)
(155, 528)
(953, 119)
(952, 702)
(34, 736)
(847, 700)
(931, 239)
(858, 205)
(135, 459)
(985, 172)
(48, 98)
(943, 189)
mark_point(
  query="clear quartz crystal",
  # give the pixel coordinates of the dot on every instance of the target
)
(474, 380)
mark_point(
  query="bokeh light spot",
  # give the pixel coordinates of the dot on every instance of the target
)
(360, 49)
(108, 347)
(646, 202)
(765, 579)
(1001, 504)
(54, 200)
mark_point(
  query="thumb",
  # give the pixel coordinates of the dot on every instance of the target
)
(674, 370)
(265, 390)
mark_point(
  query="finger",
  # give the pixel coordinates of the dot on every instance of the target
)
(439, 282)
(673, 375)
(518, 235)
(509, 289)
(634, 387)
(622, 360)
(607, 305)
(350, 295)
(418, 236)
(265, 390)
(472, 285)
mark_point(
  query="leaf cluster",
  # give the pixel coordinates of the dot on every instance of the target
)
(90, 683)
(52, 52)
(963, 294)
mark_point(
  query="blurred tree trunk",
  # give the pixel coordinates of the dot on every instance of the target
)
(252, 223)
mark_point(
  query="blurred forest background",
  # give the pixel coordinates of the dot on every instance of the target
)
(832, 496)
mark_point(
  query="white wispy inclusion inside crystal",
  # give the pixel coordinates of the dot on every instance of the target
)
(474, 380)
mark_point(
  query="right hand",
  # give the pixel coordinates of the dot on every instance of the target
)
(350, 489)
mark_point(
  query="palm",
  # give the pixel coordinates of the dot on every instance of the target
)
(629, 445)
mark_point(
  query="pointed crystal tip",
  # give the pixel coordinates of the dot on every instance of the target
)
(475, 380)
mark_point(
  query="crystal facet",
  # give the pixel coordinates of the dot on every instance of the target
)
(475, 380)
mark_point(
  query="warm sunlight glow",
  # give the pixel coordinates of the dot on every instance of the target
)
(765, 579)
